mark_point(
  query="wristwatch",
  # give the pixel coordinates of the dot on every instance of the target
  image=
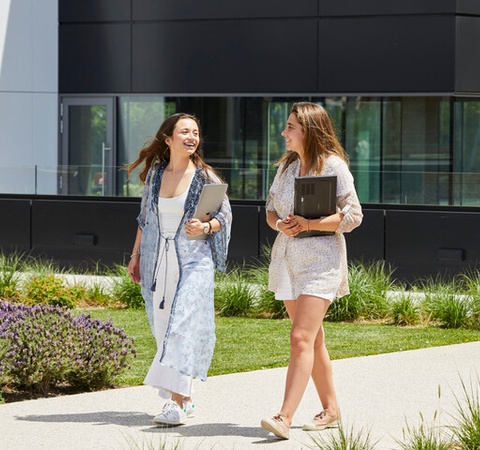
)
(207, 227)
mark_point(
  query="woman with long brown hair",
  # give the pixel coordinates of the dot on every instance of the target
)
(309, 273)
(176, 274)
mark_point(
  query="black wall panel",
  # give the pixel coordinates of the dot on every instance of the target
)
(366, 243)
(387, 54)
(467, 57)
(220, 9)
(267, 235)
(95, 58)
(244, 242)
(382, 7)
(225, 56)
(94, 10)
(79, 232)
(468, 7)
(421, 243)
(228, 47)
(15, 225)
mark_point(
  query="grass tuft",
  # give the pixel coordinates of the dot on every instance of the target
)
(425, 437)
(234, 295)
(466, 431)
(445, 304)
(345, 439)
(405, 310)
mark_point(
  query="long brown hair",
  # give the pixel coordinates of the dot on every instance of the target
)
(320, 140)
(159, 152)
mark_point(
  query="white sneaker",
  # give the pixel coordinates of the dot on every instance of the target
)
(189, 408)
(171, 414)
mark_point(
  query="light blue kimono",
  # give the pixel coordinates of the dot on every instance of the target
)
(190, 335)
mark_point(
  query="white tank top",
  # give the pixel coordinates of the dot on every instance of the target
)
(170, 211)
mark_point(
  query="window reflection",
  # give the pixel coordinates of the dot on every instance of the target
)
(466, 167)
(403, 150)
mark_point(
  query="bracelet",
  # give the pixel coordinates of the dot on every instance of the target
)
(210, 227)
(276, 225)
(133, 254)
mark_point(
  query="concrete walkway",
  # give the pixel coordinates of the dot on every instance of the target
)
(376, 394)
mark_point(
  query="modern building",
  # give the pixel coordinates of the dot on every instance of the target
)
(85, 83)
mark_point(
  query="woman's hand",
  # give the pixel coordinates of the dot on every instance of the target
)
(134, 268)
(290, 225)
(305, 224)
(194, 227)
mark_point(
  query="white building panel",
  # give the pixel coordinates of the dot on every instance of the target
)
(28, 95)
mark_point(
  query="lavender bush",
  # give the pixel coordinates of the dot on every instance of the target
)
(44, 345)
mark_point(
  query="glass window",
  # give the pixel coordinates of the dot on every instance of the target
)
(87, 162)
(400, 148)
(416, 151)
(391, 156)
(138, 120)
(466, 176)
(362, 143)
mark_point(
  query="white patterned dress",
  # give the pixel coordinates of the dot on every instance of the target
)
(167, 379)
(314, 265)
(183, 323)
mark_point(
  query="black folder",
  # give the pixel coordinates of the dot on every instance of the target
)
(315, 197)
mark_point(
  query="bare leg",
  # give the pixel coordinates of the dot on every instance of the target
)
(322, 368)
(322, 374)
(308, 313)
(178, 399)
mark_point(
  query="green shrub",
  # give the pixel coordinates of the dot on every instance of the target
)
(125, 290)
(471, 283)
(379, 276)
(266, 305)
(9, 276)
(474, 321)
(405, 310)
(346, 309)
(97, 294)
(369, 284)
(41, 266)
(445, 304)
(233, 295)
(52, 290)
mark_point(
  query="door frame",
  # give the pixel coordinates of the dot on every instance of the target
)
(65, 101)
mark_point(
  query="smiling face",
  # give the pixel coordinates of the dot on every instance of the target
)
(294, 135)
(185, 138)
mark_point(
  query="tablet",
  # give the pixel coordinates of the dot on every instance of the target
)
(315, 197)
(210, 201)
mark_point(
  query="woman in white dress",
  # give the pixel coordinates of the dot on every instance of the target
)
(309, 273)
(177, 274)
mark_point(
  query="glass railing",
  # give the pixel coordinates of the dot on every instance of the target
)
(373, 186)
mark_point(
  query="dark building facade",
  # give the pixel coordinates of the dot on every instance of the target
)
(400, 79)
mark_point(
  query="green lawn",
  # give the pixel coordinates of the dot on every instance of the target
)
(251, 344)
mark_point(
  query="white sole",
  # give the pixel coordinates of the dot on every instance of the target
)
(266, 425)
(165, 423)
(311, 427)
